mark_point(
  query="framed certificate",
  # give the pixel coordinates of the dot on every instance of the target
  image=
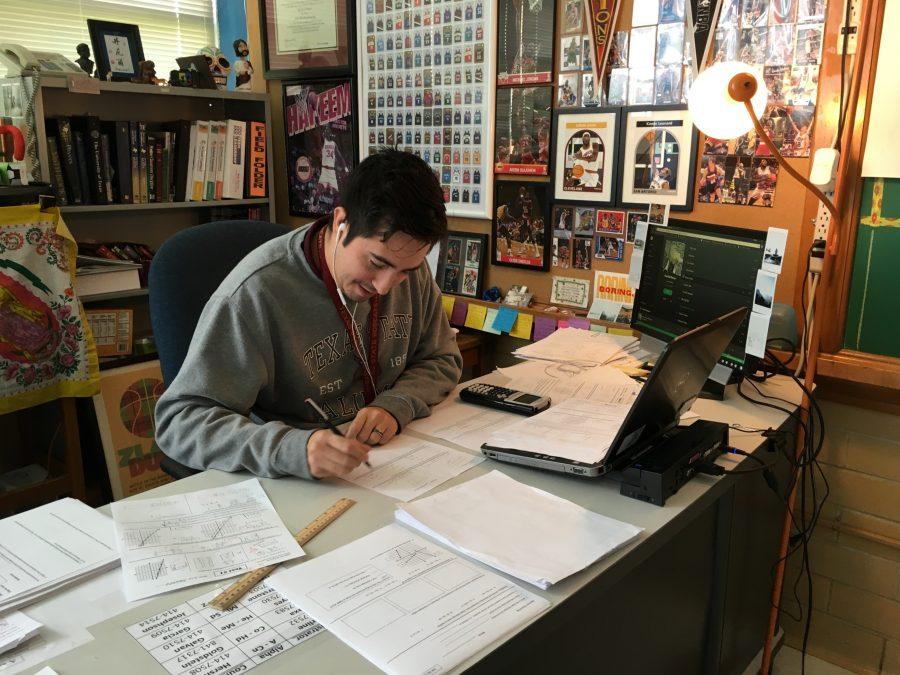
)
(307, 38)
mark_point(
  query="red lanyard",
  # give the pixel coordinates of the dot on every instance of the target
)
(314, 247)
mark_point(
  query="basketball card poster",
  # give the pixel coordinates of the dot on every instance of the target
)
(124, 409)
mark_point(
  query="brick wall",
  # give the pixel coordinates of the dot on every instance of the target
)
(856, 581)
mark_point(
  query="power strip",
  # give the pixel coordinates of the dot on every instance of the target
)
(852, 27)
(822, 222)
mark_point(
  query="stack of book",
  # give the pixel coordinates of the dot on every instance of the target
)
(111, 268)
(98, 162)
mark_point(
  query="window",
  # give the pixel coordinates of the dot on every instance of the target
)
(169, 28)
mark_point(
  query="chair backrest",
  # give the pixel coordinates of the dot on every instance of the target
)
(185, 272)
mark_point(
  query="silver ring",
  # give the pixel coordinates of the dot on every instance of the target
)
(378, 431)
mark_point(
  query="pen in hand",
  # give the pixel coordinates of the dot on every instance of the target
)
(324, 416)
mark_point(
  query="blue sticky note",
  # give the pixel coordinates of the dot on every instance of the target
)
(505, 319)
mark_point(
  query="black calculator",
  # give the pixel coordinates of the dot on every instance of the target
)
(502, 398)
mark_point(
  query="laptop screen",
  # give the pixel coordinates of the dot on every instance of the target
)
(673, 386)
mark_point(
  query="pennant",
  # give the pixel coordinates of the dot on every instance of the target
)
(701, 24)
(601, 18)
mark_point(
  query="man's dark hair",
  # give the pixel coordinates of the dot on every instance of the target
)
(393, 191)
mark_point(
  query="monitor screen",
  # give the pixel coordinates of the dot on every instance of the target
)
(693, 273)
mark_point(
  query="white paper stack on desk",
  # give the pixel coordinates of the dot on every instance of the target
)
(47, 548)
(520, 530)
(575, 344)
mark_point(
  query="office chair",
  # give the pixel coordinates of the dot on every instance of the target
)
(185, 272)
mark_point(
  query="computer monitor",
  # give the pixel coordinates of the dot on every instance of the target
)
(693, 273)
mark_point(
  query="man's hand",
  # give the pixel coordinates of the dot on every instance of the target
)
(372, 425)
(331, 455)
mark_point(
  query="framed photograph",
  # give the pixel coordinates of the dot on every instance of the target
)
(521, 227)
(570, 291)
(117, 49)
(124, 409)
(464, 264)
(307, 39)
(320, 143)
(523, 131)
(585, 162)
(525, 42)
(657, 158)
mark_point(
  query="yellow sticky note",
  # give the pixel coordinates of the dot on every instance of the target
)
(619, 331)
(448, 301)
(475, 316)
(522, 327)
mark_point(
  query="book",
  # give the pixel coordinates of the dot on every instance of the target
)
(112, 329)
(235, 141)
(94, 152)
(185, 139)
(220, 159)
(122, 144)
(158, 169)
(142, 162)
(167, 150)
(69, 159)
(107, 173)
(151, 168)
(56, 172)
(256, 159)
(81, 168)
(95, 276)
(212, 162)
(200, 156)
(135, 146)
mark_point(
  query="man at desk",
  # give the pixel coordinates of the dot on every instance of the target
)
(344, 311)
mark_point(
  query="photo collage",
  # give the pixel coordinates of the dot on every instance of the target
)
(784, 39)
(584, 236)
(426, 71)
(650, 64)
(464, 264)
(576, 87)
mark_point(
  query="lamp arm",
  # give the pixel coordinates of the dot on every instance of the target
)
(835, 218)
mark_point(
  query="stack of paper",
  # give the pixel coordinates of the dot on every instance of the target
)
(520, 530)
(576, 345)
(601, 384)
(47, 548)
(575, 429)
(173, 542)
(405, 603)
(16, 628)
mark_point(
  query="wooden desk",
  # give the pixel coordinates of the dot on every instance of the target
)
(472, 348)
(691, 595)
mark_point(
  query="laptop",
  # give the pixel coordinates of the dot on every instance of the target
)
(671, 389)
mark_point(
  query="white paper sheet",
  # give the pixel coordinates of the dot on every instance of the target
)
(531, 534)
(574, 429)
(16, 628)
(173, 542)
(574, 344)
(408, 467)
(194, 637)
(602, 384)
(462, 423)
(51, 546)
(406, 604)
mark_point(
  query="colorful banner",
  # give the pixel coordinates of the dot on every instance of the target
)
(601, 21)
(701, 17)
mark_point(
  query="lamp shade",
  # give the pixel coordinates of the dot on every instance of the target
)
(713, 109)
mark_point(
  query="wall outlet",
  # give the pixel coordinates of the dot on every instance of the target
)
(822, 222)
(852, 27)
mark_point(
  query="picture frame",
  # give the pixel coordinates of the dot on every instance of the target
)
(463, 265)
(319, 154)
(117, 49)
(598, 178)
(525, 42)
(658, 144)
(523, 120)
(299, 42)
(520, 230)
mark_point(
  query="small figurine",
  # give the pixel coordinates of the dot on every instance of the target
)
(84, 58)
(243, 69)
(146, 73)
(219, 66)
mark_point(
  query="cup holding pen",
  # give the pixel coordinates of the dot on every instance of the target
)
(321, 413)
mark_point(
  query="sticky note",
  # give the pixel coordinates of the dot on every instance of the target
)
(543, 326)
(448, 305)
(522, 327)
(562, 324)
(619, 331)
(506, 317)
(583, 324)
(598, 328)
(475, 316)
(489, 320)
(460, 308)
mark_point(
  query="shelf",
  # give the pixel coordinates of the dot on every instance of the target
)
(154, 90)
(107, 363)
(158, 206)
(118, 295)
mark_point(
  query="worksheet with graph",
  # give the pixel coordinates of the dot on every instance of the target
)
(172, 542)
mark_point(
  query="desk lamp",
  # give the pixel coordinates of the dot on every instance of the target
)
(726, 101)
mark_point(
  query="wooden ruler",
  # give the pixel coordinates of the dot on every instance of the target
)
(226, 599)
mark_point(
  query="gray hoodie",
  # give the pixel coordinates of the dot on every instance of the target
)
(270, 337)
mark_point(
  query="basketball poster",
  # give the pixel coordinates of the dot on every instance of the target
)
(124, 409)
(585, 165)
(521, 231)
(319, 144)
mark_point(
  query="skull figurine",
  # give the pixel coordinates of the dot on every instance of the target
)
(219, 66)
